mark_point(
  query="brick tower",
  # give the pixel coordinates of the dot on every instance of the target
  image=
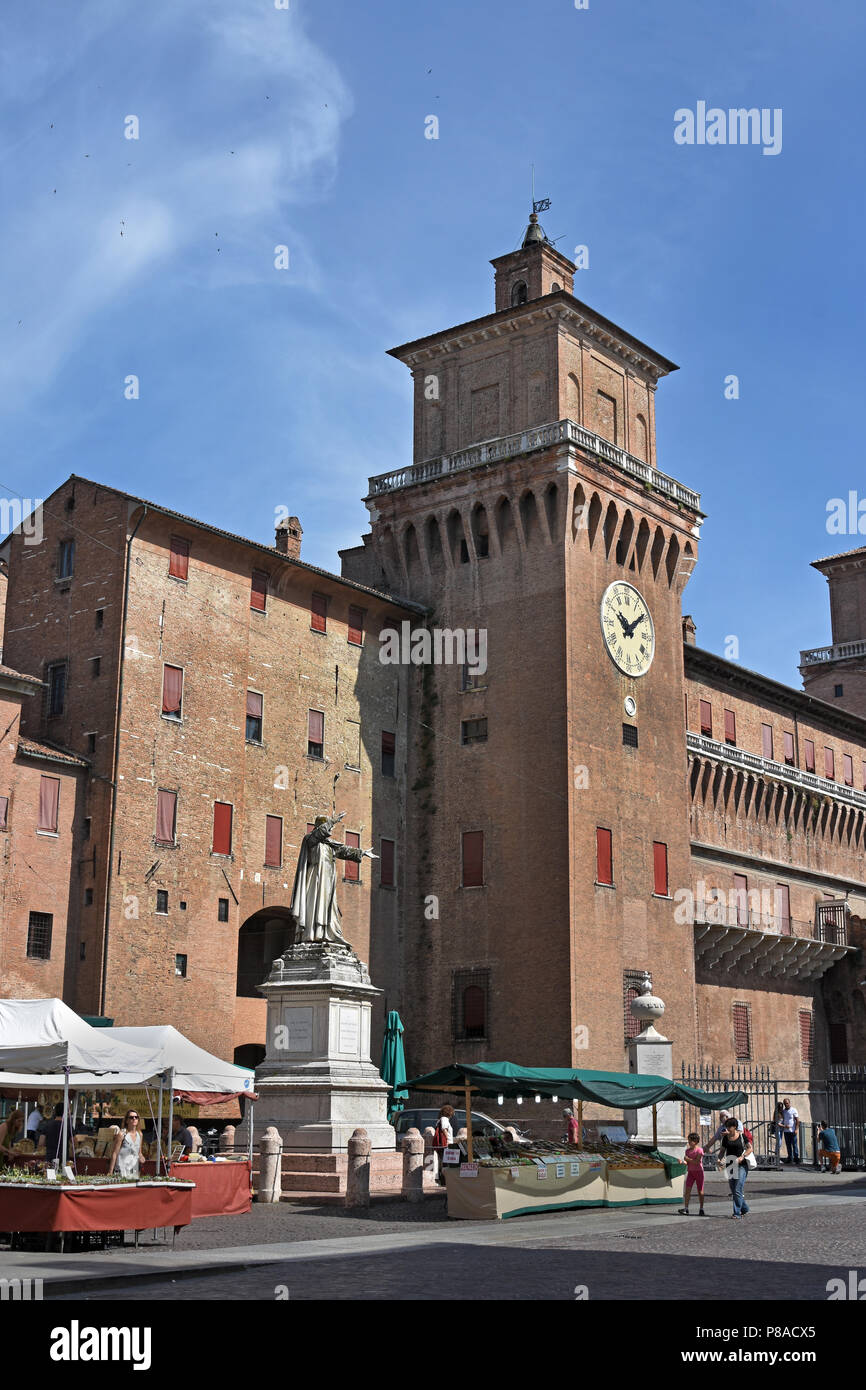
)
(548, 818)
(838, 673)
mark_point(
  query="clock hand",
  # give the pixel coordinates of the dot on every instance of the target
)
(623, 623)
(631, 626)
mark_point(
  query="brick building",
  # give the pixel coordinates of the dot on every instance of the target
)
(597, 800)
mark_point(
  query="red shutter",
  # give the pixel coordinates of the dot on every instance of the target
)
(166, 808)
(603, 856)
(473, 858)
(316, 726)
(864, 776)
(319, 613)
(660, 869)
(49, 800)
(741, 888)
(351, 870)
(706, 718)
(386, 864)
(178, 561)
(4, 811)
(730, 726)
(809, 748)
(742, 1033)
(806, 1035)
(222, 828)
(273, 841)
(254, 704)
(172, 690)
(788, 740)
(829, 764)
(356, 625)
(767, 740)
(259, 591)
(848, 769)
(783, 900)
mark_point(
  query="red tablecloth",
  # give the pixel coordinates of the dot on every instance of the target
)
(221, 1189)
(122, 1208)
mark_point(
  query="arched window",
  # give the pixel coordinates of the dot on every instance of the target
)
(519, 293)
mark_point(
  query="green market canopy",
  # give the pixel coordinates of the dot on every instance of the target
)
(617, 1089)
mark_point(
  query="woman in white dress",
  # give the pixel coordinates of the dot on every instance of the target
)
(126, 1154)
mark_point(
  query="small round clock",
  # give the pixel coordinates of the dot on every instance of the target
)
(627, 628)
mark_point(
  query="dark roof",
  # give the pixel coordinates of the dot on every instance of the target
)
(19, 675)
(31, 749)
(843, 555)
(561, 296)
(270, 550)
(698, 662)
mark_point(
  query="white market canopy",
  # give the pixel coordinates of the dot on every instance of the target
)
(45, 1035)
(193, 1070)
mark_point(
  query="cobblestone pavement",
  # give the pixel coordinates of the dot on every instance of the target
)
(808, 1232)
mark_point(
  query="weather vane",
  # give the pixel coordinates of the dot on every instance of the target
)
(540, 204)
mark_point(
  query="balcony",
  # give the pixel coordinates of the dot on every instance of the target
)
(788, 949)
(841, 652)
(781, 772)
(526, 442)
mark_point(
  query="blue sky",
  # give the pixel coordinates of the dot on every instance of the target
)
(260, 127)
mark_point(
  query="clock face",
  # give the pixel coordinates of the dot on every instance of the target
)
(627, 628)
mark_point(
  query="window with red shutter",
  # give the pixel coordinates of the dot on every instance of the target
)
(166, 815)
(809, 750)
(172, 691)
(356, 626)
(767, 740)
(864, 776)
(49, 803)
(386, 864)
(603, 856)
(178, 560)
(742, 1033)
(259, 591)
(315, 734)
(351, 870)
(255, 706)
(807, 1036)
(741, 891)
(848, 769)
(706, 718)
(222, 827)
(829, 764)
(783, 908)
(273, 842)
(730, 726)
(660, 869)
(4, 812)
(319, 613)
(788, 741)
(473, 858)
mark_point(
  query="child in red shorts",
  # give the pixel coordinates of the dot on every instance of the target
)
(694, 1160)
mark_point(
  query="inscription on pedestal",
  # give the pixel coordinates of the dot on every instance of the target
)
(298, 1029)
(349, 1030)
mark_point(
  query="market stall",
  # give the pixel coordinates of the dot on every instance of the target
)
(133, 1206)
(495, 1179)
(220, 1188)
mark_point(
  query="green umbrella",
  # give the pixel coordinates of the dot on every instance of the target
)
(392, 1067)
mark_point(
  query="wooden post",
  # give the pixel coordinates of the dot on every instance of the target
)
(468, 1103)
(655, 1128)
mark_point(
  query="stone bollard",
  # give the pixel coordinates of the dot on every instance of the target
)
(227, 1139)
(430, 1164)
(358, 1174)
(270, 1166)
(413, 1166)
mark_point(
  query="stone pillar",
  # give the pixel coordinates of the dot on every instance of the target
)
(270, 1166)
(358, 1174)
(413, 1166)
(227, 1139)
(651, 1053)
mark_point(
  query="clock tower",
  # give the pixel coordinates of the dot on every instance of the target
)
(548, 822)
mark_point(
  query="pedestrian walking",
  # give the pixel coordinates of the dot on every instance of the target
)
(734, 1157)
(791, 1132)
(830, 1148)
(694, 1158)
(443, 1137)
(126, 1151)
(779, 1127)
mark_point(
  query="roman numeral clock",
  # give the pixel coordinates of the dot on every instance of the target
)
(627, 628)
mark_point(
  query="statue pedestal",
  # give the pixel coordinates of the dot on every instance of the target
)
(651, 1053)
(317, 1083)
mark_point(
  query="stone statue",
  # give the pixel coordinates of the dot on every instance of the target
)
(314, 909)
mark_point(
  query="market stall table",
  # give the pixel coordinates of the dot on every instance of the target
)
(141, 1206)
(220, 1188)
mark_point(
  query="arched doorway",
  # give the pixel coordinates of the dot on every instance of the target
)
(262, 938)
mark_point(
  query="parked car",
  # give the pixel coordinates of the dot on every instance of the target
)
(482, 1125)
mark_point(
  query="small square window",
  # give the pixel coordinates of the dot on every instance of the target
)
(88, 897)
(837, 691)
(99, 617)
(473, 731)
(255, 703)
(162, 901)
(629, 735)
(95, 666)
(389, 746)
(85, 828)
(180, 966)
(91, 743)
(472, 680)
(182, 906)
(82, 950)
(222, 909)
(39, 935)
(315, 734)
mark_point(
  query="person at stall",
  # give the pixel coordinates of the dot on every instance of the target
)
(126, 1151)
(180, 1134)
(573, 1126)
(34, 1120)
(11, 1132)
(734, 1158)
(51, 1137)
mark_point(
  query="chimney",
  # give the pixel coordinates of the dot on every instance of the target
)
(689, 630)
(288, 537)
